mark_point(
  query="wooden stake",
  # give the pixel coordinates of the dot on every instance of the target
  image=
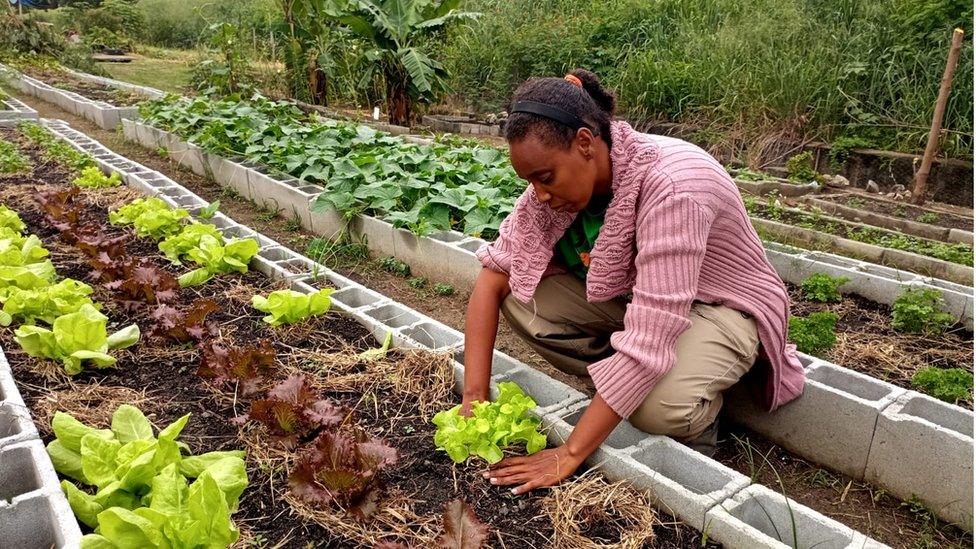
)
(922, 177)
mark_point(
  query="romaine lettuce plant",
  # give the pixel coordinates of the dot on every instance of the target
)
(45, 304)
(179, 245)
(93, 178)
(216, 258)
(151, 218)
(142, 497)
(76, 338)
(492, 427)
(289, 306)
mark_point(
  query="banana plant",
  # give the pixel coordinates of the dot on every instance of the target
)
(395, 32)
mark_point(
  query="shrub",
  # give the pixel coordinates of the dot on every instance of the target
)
(823, 287)
(800, 168)
(948, 384)
(919, 311)
(813, 334)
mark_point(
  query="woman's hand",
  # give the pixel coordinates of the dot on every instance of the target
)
(544, 468)
(550, 466)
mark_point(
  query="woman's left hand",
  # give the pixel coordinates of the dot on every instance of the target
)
(544, 468)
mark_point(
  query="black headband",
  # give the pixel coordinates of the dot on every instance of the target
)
(552, 113)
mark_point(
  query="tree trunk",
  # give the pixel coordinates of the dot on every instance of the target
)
(318, 84)
(397, 101)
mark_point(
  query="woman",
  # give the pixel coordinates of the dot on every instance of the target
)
(629, 258)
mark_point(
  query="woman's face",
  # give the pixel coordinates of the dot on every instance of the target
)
(563, 178)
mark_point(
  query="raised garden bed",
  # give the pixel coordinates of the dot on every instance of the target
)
(888, 214)
(761, 184)
(933, 258)
(71, 81)
(410, 385)
(370, 312)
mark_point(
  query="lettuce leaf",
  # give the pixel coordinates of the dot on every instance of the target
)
(179, 245)
(289, 306)
(93, 178)
(46, 303)
(216, 258)
(492, 427)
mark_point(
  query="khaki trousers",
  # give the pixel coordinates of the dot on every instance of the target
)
(711, 356)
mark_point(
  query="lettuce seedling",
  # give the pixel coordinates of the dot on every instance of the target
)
(813, 334)
(187, 324)
(151, 218)
(215, 258)
(492, 427)
(179, 245)
(45, 304)
(249, 367)
(93, 178)
(76, 338)
(342, 469)
(142, 497)
(289, 306)
(293, 411)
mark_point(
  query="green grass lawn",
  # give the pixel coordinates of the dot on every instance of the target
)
(167, 70)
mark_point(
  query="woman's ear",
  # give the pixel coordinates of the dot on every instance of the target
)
(584, 142)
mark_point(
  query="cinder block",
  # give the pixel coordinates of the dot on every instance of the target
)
(325, 221)
(436, 256)
(272, 193)
(8, 389)
(393, 315)
(757, 517)
(471, 245)
(186, 154)
(25, 471)
(547, 392)
(42, 521)
(380, 235)
(357, 297)
(433, 335)
(924, 447)
(831, 423)
(15, 424)
(682, 481)
(501, 363)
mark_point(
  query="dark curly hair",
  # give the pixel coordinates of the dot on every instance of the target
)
(592, 103)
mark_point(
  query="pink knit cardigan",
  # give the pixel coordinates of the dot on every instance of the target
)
(675, 231)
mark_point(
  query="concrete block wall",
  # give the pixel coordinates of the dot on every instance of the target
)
(687, 484)
(13, 111)
(34, 513)
(923, 448)
(152, 93)
(105, 115)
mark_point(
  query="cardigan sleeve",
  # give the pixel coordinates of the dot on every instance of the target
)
(671, 239)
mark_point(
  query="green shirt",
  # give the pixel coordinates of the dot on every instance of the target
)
(576, 243)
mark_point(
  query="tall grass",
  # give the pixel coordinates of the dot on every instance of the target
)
(746, 71)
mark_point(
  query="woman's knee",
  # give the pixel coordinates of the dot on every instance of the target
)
(674, 419)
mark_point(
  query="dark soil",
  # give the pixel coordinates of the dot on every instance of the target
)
(451, 311)
(902, 210)
(866, 342)
(91, 90)
(167, 372)
(871, 510)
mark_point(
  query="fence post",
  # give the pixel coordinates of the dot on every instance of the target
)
(921, 178)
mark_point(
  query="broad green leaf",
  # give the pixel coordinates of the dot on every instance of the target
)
(128, 530)
(96, 541)
(193, 466)
(173, 430)
(169, 492)
(84, 505)
(98, 459)
(129, 424)
(126, 337)
(66, 462)
(230, 475)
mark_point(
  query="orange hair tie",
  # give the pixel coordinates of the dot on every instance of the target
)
(573, 80)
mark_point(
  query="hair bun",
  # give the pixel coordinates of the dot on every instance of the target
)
(605, 99)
